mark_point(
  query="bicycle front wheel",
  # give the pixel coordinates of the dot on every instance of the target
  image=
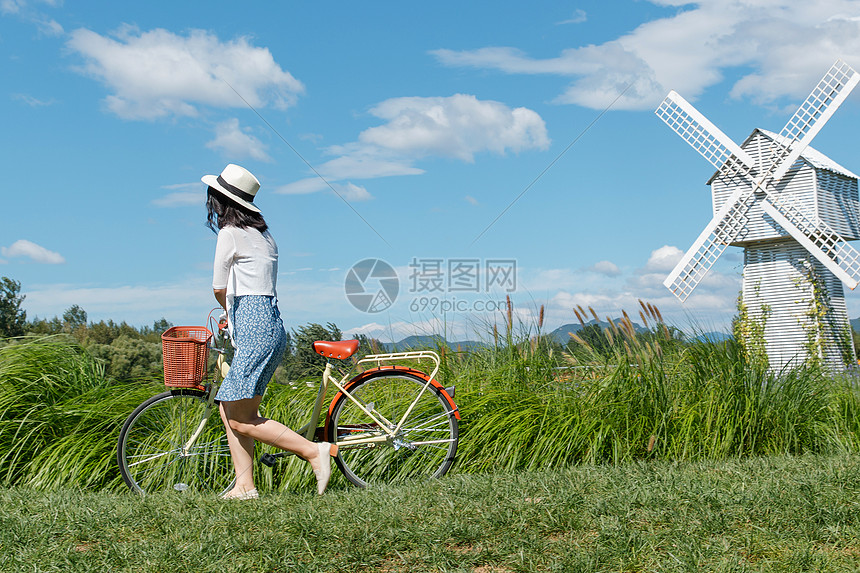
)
(154, 453)
(424, 446)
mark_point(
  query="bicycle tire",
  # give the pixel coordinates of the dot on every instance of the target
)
(149, 450)
(408, 456)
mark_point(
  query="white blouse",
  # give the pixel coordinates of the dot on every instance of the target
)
(246, 262)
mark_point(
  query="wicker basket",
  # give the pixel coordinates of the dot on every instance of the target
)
(186, 349)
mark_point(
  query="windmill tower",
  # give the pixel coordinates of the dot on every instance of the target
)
(793, 210)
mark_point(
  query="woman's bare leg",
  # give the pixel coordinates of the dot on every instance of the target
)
(243, 417)
(242, 452)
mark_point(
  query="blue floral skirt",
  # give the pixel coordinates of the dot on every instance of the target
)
(260, 341)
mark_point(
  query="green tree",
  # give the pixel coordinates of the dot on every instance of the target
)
(44, 326)
(367, 345)
(160, 325)
(153, 334)
(106, 332)
(594, 337)
(127, 358)
(75, 317)
(13, 318)
(303, 361)
(75, 322)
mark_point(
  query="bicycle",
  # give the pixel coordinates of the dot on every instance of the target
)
(391, 422)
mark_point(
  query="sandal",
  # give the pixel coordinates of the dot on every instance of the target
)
(323, 474)
(242, 496)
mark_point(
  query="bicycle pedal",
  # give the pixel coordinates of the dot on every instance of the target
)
(268, 459)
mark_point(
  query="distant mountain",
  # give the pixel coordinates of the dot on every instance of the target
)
(855, 324)
(430, 341)
(562, 333)
(713, 336)
(418, 341)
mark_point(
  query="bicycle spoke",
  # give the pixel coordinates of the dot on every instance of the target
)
(423, 447)
(443, 415)
(152, 447)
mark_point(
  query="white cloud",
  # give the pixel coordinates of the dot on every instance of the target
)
(11, 6)
(365, 162)
(392, 332)
(183, 194)
(135, 304)
(352, 192)
(607, 268)
(369, 329)
(32, 101)
(471, 200)
(603, 303)
(457, 126)
(349, 191)
(49, 27)
(548, 280)
(15, 6)
(180, 199)
(157, 73)
(237, 143)
(37, 253)
(603, 71)
(705, 307)
(302, 187)
(663, 259)
(693, 49)
(579, 16)
(714, 298)
(396, 331)
(712, 304)
(28, 11)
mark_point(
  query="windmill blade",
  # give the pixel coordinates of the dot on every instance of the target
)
(820, 240)
(699, 132)
(813, 113)
(729, 222)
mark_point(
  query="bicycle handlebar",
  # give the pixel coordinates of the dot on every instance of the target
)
(217, 326)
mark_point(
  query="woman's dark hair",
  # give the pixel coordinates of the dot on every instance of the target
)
(222, 212)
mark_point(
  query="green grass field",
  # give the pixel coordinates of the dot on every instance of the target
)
(756, 514)
(641, 453)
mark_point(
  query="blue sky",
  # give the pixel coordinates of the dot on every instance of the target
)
(444, 135)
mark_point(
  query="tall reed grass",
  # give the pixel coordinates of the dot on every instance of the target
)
(525, 405)
(648, 396)
(60, 415)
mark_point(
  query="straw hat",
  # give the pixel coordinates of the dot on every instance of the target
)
(237, 184)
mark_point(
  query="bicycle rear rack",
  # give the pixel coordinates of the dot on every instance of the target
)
(412, 355)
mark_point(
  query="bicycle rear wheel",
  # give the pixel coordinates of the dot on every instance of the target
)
(151, 450)
(424, 447)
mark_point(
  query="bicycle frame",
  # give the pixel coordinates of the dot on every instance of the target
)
(390, 429)
(221, 369)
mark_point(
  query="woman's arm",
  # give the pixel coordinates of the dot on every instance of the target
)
(225, 250)
(221, 297)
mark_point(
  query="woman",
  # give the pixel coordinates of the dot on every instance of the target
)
(246, 270)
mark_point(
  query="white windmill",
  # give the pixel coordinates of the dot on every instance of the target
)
(792, 209)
